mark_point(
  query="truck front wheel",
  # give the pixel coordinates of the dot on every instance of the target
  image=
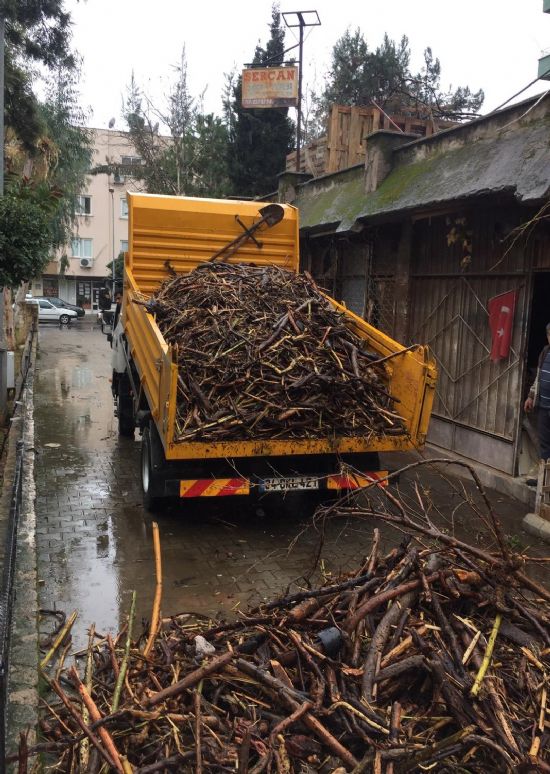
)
(149, 478)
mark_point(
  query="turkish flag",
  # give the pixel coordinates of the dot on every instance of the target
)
(501, 321)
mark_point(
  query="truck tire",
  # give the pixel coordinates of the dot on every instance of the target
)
(149, 476)
(125, 409)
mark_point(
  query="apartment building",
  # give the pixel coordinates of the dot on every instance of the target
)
(77, 272)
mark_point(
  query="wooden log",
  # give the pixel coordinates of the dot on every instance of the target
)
(190, 680)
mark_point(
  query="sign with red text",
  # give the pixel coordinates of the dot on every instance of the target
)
(270, 87)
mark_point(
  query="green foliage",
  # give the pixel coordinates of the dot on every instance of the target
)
(191, 158)
(210, 157)
(64, 123)
(424, 91)
(259, 140)
(36, 32)
(24, 236)
(359, 76)
(38, 215)
(21, 109)
(118, 264)
(64, 263)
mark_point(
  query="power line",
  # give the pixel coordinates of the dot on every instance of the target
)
(540, 77)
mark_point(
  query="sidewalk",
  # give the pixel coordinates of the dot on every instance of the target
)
(501, 483)
(511, 486)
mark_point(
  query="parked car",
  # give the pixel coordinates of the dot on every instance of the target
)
(65, 304)
(48, 312)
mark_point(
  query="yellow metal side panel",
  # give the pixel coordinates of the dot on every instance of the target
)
(187, 232)
(149, 351)
(166, 374)
(412, 375)
(268, 448)
(412, 382)
(172, 404)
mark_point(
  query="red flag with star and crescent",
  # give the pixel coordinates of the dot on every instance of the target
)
(501, 321)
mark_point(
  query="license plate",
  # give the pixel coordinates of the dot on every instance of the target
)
(290, 484)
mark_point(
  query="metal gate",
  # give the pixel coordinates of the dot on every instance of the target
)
(477, 405)
(349, 272)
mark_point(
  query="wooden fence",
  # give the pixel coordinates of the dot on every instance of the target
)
(345, 143)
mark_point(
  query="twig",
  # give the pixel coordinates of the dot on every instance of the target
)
(124, 666)
(487, 657)
(155, 615)
(95, 715)
(59, 639)
(190, 680)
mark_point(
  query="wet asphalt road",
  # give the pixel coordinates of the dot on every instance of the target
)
(94, 536)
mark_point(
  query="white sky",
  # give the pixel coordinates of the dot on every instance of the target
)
(489, 44)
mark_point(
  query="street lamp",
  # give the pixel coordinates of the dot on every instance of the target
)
(300, 19)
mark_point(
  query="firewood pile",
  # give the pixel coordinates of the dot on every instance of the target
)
(263, 354)
(430, 658)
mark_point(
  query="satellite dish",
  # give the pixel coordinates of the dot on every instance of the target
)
(111, 123)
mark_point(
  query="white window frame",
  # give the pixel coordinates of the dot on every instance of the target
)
(124, 208)
(82, 247)
(79, 209)
(131, 161)
(123, 246)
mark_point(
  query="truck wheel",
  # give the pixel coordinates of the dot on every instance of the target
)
(151, 502)
(125, 409)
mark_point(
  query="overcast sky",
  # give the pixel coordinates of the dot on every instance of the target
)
(489, 44)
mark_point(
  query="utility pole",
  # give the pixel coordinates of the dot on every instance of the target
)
(3, 341)
(112, 192)
(300, 19)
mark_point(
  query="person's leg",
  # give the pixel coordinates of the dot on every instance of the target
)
(543, 423)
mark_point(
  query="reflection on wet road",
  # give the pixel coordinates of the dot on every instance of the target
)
(94, 537)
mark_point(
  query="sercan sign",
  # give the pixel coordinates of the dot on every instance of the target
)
(269, 87)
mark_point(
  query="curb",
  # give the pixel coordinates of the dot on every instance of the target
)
(535, 525)
(514, 487)
(511, 486)
(23, 680)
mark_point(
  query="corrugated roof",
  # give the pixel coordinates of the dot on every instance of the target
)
(332, 199)
(515, 159)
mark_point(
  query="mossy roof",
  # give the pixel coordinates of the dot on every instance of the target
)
(517, 160)
(331, 200)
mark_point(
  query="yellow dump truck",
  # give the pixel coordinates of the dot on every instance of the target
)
(176, 234)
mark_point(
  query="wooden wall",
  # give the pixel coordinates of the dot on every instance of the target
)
(345, 142)
(429, 281)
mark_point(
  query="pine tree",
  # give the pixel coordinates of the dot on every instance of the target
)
(358, 76)
(260, 139)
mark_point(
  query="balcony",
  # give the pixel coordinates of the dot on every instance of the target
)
(544, 66)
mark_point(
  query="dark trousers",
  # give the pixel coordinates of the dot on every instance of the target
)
(543, 427)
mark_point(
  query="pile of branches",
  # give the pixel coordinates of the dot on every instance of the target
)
(428, 658)
(262, 354)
